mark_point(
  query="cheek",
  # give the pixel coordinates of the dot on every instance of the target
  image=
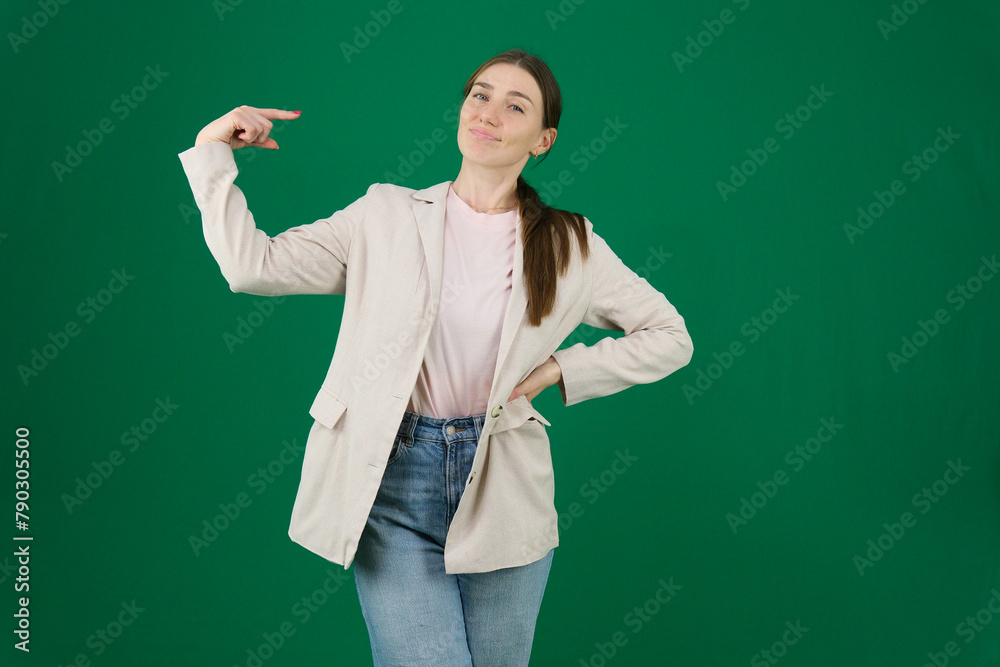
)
(465, 114)
(519, 137)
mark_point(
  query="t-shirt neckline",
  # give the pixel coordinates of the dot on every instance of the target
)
(483, 218)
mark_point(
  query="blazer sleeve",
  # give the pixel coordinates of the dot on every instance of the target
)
(656, 341)
(308, 259)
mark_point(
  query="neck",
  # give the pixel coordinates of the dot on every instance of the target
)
(487, 190)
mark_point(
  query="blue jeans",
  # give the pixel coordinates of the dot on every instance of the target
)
(416, 613)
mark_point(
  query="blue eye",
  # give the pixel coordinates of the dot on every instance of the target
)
(483, 96)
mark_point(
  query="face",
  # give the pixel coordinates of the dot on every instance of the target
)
(501, 120)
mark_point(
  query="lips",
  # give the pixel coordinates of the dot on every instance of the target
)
(483, 134)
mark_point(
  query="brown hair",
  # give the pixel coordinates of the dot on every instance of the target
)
(544, 225)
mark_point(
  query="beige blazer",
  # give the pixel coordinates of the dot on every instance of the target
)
(384, 253)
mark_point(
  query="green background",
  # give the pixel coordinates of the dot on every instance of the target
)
(652, 190)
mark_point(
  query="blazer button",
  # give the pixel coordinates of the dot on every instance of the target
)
(496, 411)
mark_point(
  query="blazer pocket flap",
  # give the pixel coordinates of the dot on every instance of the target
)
(327, 408)
(517, 412)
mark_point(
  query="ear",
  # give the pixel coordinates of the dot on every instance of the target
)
(547, 139)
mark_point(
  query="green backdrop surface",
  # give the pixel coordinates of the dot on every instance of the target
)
(813, 185)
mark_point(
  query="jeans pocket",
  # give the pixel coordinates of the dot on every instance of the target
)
(399, 445)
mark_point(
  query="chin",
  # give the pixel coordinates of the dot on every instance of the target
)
(491, 162)
(482, 157)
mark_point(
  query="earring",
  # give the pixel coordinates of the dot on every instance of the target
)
(534, 155)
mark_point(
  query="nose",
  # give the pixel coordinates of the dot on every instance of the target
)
(489, 114)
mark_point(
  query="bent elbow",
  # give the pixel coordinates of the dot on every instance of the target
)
(236, 287)
(682, 347)
(687, 347)
(677, 352)
(238, 282)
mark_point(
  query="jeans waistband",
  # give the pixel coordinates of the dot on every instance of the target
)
(450, 429)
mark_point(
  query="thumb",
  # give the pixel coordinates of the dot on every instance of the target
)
(524, 389)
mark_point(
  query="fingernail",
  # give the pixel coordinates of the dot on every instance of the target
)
(296, 112)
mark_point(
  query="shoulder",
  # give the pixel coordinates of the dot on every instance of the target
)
(388, 195)
(390, 190)
(381, 198)
(577, 221)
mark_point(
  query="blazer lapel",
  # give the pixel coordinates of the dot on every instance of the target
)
(430, 225)
(516, 307)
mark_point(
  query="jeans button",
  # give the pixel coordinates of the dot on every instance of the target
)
(450, 430)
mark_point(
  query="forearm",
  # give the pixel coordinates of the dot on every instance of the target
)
(307, 259)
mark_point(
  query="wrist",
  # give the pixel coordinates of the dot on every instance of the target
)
(557, 370)
(201, 140)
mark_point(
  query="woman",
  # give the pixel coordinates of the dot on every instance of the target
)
(427, 467)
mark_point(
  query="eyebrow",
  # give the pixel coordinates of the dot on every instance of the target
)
(513, 92)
